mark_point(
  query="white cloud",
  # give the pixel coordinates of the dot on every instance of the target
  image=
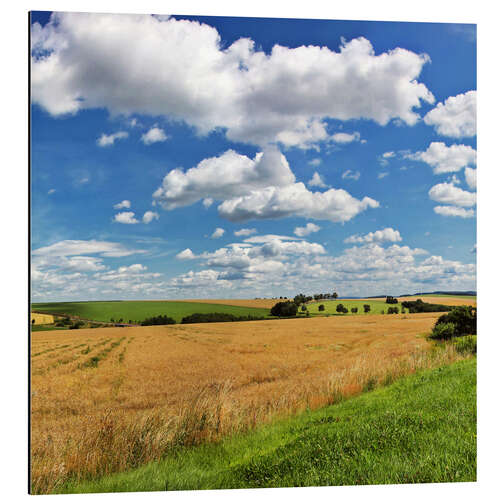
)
(470, 177)
(452, 195)
(83, 247)
(389, 154)
(109, 140)
(387, 234)
(122, 204)
(51, 191)
(445, 159)
(218, 233)
(149, 216)
(186, 254)
(381, 175)
(454, 180)
(450, 211)
(125, 218)
(307, 230)
(336, 205)
(224, 177)
(315, 162)
(245, 232)
(82, 61)
(343, 138)
(317, 181)
(207, 202)
(350, 174)
(153, 135)
(267, 238)
(456, 117)
(134, 269)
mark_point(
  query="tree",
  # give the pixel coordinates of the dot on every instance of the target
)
(342, 309)
(367, 308)
(303, 308)
(284, 309)
(321, 307)
(335, 295)
(391, 300)
(354, 310)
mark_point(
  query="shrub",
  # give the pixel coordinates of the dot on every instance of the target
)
(303, 308)
(216, 317)
(158, 320)
(367, 308)
(466, 344)
(391, 300)
(393, 310)
(464, 318)
(442, 331)
(354, 310)
(342, 309)
(418, 306)
(321, 307)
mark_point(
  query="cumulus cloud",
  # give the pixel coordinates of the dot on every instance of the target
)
(109, 140)
(387, 234)
(307, 230)
(207, 202)
(317, 181)
(344, 138)
(82, 247)
(450, 211)
(389, 154)
(350, 174)
(381, 175)
(125, 218)
(218, 233)
(315, 162)
(82, 61)
(445, 159)
(149, 216)
(224, 177)
(245, 232)
(122, 204)
(153, 135)
(470, 177)
(456, 117)
(295, 200)
(186, 254)
(452, 195)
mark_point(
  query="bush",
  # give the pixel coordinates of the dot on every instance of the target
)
(303, 308)
(216, 317)
(354, 310)
(393, 310)
(342, 309)
(284, 309)
(321, 307)
(442, 331)
(466, 344)
(418, 306)
(367, 308)
(391, 300)
(158, 320)
(464, 318)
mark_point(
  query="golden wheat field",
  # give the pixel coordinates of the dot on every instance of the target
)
(258, 303)
(447, 301)
(42, 319)
(109, 399)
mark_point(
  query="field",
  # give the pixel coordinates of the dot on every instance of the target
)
(107, 400)
(258, 303)
(376, 306)
(139, 310)
(41, 319)
(421, 429)
(447, 300)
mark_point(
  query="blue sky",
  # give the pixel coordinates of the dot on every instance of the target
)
(344, 149)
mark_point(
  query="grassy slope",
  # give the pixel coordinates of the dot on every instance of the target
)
(420, 429)
(376, 306)
(139, 310)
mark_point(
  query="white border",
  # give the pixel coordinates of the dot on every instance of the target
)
(14, 201)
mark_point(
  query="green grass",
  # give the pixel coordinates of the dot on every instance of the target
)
(420, 429)
(140, 310)
(376, 307)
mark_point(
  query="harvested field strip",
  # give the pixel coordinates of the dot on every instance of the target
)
(94, 361)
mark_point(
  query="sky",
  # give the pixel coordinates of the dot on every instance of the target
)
(190, 157)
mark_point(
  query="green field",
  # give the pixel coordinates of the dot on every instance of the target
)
(376, 307)
(421, 429)
(139, 310)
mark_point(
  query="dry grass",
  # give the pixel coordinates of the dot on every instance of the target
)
(154, 388)
(258, 303)
(42, 319)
